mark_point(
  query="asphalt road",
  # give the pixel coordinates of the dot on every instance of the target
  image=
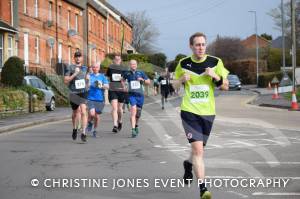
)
(248, 144)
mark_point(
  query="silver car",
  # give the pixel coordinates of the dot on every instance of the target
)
(39, 84)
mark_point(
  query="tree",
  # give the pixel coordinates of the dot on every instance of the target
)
(158, 59)
(144, 32)
(275, 13)
(227, 48)
(266, 36)
(173, 64)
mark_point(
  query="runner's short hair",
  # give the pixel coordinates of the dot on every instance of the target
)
(197, 34)
(116, 55)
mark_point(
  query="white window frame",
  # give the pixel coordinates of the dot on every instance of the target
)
(10, 46)
(70, 54)
(50, 11)
(59, 56)
(37, 49)
(1, 48)
(51, 55)
(16, 48)
(25, 6)
(76, 22)
(26, 49)
(69, 18)
(36, 8)
(12, 12)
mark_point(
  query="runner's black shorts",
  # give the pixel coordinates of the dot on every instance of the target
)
(164, 92)
(197, 127)
(76, 99)
(116, 95)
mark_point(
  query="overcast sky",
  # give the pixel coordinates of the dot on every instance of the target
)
(178, 19)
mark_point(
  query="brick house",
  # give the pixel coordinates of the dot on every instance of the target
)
(250, 42)
(8, 30)
(47, 32)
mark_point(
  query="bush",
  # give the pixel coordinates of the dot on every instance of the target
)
(32, 90)
(158, 59)
(105, 63)
(265, 78)
(138, 57)
(13, 72)
(274, 60)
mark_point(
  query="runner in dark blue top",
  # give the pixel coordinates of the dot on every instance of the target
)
(97, 82)
(136, 80)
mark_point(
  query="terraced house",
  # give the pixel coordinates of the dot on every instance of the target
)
(46, 33)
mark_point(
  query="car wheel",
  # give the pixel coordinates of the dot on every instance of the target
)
(52, 105)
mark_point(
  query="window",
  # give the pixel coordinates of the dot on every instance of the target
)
(69, 15)
(34, 83)
(89, 21)
(76, 22)
(95, 25)
(103, 29)
(50, 11)
(36, 48)
(59, 16)
(70, 54)
(10, 51)
(1, 50)
(51, 55)
(26, 49)
(12, 12)
(25, 6)
(60, 52)
(41, 84)
(16, 48)
(36, 9)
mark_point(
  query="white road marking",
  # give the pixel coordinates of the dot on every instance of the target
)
(276, 194)
(258, 177)
(270, 162)
(239, 194)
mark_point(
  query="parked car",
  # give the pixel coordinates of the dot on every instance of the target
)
(39, 84)
(234, 82)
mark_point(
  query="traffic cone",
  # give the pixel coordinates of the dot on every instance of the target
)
(275, 95)
(269, 86)
(294, 105)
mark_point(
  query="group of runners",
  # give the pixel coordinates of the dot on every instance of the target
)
(87, 99)
(199, 74)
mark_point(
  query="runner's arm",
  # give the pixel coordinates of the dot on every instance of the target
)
(105, 83)
(69, 78)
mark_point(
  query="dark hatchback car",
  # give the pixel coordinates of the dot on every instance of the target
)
(234, 82)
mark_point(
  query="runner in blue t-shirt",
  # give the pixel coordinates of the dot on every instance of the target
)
(97, 82)
(136, 80)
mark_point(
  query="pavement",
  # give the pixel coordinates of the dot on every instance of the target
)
(59, 114)
(247, 143)
(30, 119)
(264, 98)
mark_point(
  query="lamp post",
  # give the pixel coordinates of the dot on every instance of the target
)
(256, 43)
(283, 36)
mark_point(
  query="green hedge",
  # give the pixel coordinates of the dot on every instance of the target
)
(265, 78)
(12, 73)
